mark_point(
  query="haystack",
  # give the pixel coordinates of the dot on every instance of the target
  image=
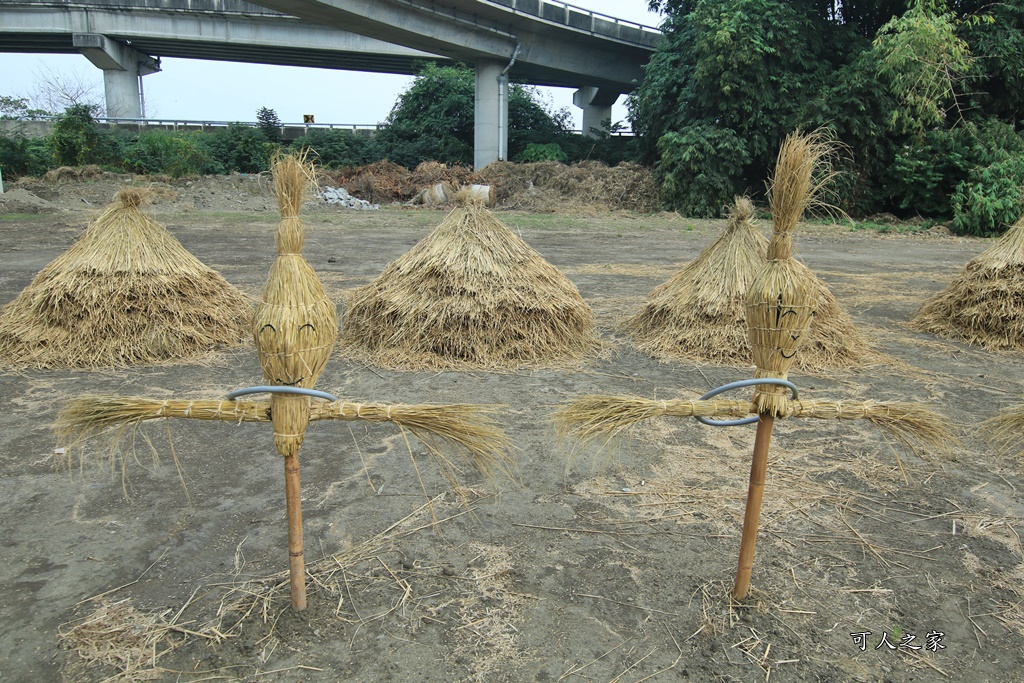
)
(984, 304)
(471, 294)
(126, 293)
(699, 314)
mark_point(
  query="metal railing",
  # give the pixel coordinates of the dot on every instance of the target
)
(204, 125)
(562, 12)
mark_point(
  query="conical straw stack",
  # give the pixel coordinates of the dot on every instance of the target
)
(471, 294)
(699, 314)
(126, 293)
(984, 304)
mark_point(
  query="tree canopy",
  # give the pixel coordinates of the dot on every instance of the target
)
(924, 94)
(433, 119)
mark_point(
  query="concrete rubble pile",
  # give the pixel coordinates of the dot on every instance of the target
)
(339, 195)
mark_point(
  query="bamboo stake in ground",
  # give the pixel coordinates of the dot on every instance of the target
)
(295, 327)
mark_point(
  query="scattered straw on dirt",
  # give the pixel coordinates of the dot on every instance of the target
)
(128, 640)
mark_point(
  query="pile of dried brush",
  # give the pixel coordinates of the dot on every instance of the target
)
(588, 185)
(700, 312)
(984, 304)
(73, 173)
(430, 173)
(126, 293)
(383, 182)
(471, 294)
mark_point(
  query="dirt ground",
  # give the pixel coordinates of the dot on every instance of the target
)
(617, 568)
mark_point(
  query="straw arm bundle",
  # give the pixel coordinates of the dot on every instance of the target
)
(593, 417)
(460, 425)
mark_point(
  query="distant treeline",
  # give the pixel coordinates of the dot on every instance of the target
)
(432, 121)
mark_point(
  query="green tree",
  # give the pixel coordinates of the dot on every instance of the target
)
(746, 66)
(433, 119)
(19, 108)
(75, 139)
(270, 124)
(924, 61)
(913, 88)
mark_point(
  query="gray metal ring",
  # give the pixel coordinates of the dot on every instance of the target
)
(739, 385)
(277, 389)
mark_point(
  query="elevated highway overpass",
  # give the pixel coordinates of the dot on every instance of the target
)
(532, 41)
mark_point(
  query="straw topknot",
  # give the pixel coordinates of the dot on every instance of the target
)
(126, 293)
(984, 304)
(700, 312)
(471, 294)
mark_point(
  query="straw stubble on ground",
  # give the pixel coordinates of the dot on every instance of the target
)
(619, 569)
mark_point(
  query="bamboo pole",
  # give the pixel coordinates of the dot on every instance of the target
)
(296, 553)
(752, 516)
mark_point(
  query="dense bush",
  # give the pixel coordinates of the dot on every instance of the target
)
(236, 148)
(924, 94)
(170, 153)
(539, 152)
(700, 169)
(336, 148)
(990, 199)
(23, 156)
(75, 138)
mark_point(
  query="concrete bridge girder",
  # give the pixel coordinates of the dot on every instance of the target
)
(500, 39)
(123, 68)
(596, 104)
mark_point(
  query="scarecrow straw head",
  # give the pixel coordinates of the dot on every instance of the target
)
(295, 324)
(782, 300)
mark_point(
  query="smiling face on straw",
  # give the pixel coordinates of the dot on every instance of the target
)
(295, 324)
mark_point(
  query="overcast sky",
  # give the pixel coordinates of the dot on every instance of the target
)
(229, 91)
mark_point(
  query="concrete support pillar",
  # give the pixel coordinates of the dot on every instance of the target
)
(123, 69)
(597, 108)
(490, 137)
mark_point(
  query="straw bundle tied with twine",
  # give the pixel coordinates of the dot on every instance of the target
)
(984, 304)
(700, 312)
(295, 327)
(780, 306)
(471, 294)
(126, 293)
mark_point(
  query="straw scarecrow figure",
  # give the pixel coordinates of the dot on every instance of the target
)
(126, 293)
(700, 312)
(984, 304)
(295, 327)
(471, 294)
(780, 306)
